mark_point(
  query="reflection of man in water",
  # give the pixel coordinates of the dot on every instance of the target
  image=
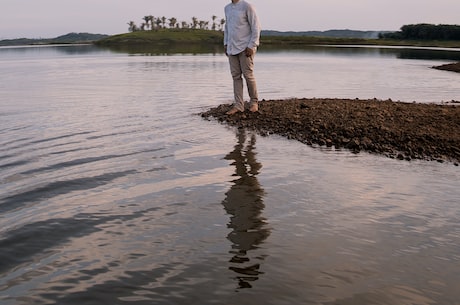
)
(244, 202)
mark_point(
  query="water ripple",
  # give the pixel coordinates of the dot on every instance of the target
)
(29, 240)
(83, 161)
(53, 189)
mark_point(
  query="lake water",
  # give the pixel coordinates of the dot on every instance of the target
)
(113, 190)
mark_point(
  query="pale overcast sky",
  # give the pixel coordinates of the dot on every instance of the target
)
(51, 18)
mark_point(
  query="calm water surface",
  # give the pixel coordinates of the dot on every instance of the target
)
(112, 190)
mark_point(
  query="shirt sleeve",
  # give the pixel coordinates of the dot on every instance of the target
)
(255, 27)
(225, 28)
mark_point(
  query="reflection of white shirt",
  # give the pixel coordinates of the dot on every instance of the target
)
(242, 28)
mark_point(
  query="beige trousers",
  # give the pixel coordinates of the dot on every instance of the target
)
(242, 65)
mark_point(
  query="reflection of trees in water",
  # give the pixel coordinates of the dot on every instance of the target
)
(244, 204)
(166, 48)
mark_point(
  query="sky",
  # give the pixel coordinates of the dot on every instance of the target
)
(52, 18)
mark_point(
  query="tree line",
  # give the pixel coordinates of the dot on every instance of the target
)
(424, 31)
(152, 23)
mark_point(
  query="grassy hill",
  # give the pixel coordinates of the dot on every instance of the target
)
(63, 39)
(164, 36)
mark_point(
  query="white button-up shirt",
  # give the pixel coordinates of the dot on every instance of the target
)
(242, 27)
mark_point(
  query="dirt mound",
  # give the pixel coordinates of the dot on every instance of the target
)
(395, 129)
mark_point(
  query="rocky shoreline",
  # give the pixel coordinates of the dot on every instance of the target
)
(399, 130)
(454, 67)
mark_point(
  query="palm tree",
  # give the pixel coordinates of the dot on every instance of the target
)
(150, 21)
(214, 22)
(194, 22)
(204, 25)
(222, 22)
(158, 23)
(146, 22)
(132, 26)
(172, 22)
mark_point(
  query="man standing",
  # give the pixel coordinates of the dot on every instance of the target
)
(241, 39)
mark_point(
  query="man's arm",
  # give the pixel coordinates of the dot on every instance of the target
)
(225, 31)
(255, 27)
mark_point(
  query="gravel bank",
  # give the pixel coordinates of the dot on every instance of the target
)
(455, 67)
(397, 130)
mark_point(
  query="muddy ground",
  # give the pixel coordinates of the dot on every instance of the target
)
(405, 131)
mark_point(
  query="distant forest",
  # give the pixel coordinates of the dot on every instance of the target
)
(425, 31)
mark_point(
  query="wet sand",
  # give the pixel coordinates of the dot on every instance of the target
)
(400, 130)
